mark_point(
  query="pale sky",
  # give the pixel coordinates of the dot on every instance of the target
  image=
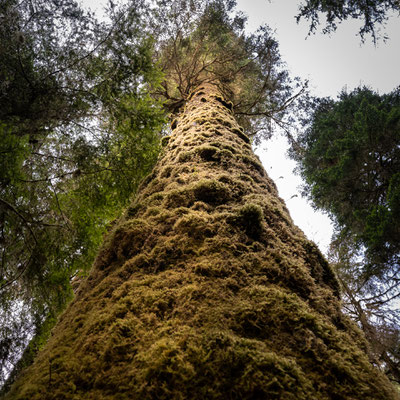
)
(330, 63)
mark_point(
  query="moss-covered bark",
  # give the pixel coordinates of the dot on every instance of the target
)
(206, 290)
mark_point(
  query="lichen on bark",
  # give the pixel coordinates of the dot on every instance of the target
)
(205, 289)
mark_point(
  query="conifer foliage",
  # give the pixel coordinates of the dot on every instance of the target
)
(350, 163)
(77, 134)
(373, 14)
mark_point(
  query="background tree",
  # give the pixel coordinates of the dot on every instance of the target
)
(368, 274)
(372, 303)
(350, 163)
(78, 132)
(373, 13)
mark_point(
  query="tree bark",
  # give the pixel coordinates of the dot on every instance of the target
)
(205, 289)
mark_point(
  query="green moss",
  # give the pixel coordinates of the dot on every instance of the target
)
(178, 198)
(152, 211)
(195, 225)
(207, 153)
(227, 104)
(246, 178)
(213, 268)
(133, 210)
(223, 146)
(211, 191)
(205, 290)
(129, 237)
(226, 179)
(239, 132)
(320, 268)
(146, 180)
(224, 154)
(201, 206)
(171, 253)
(165, 140)
(224, 121)
(185, 156)
(251, 217)
(166, 171)
(154, 199)
(254, 163)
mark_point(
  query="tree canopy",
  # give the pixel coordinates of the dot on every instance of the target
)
(372, 13)
(372, 303)
(351, 164)
(201, 41)
(78, 132)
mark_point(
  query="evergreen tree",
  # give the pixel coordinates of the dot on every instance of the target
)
(350, 163)
(78, 131)
(205, 288)
(372, 303)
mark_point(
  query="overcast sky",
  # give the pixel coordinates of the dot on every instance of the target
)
(330, 63)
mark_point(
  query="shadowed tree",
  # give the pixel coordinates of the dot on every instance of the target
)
(350, 163)
(205, 288)
(372, 303)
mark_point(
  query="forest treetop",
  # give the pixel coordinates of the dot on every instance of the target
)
(202, 41)
(350, 164)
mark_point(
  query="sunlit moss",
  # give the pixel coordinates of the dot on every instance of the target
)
(206, 290)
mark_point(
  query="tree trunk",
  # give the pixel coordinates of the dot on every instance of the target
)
(206, 290)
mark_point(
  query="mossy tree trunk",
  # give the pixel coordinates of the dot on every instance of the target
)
(206, 290)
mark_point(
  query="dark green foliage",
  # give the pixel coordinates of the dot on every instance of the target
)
(37, 92)
(209, 43)
(78, 131)
(350, 161)
(350, 164)
(372, 13)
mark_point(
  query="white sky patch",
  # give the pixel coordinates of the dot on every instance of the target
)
(316, 225)
(329, 62)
